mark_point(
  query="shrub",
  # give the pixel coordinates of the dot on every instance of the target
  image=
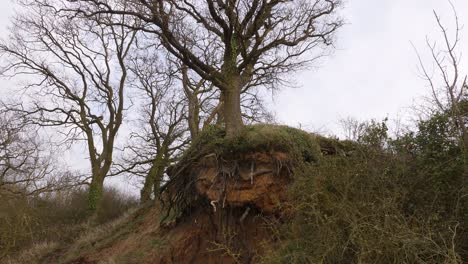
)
(393, 201)
(349, 210)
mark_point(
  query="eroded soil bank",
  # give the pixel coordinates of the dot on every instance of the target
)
(231, 220)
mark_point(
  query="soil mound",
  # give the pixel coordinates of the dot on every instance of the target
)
(222, 204)
(231, 220)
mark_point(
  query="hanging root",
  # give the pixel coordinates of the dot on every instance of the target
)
(213, 203)
(251, 172)
(244, 215)
(279, 166)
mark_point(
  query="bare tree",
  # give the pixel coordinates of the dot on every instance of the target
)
(257, 41)
(76, 79)
(163, 132)
(200, 95)
(176, 106)
(353, 129)
(447, 83)
(27, 168)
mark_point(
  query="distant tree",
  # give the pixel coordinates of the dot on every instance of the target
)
(76, 73)
(449, 86)
(257, 42)
(353, 129)
(27, 168)
(162, 131)
(199, 94)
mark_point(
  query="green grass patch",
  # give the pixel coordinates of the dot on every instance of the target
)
(301, 146)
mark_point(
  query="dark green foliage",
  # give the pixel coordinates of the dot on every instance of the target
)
(436, 140)
(375, 134)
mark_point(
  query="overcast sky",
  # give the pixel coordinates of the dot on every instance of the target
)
(373, 72)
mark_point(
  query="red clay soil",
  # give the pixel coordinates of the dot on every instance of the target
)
(260, 180)
(229, 225)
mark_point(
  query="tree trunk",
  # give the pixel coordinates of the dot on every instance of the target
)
(193, 116)
(153, 180)
(232, 108)
(157, 182)
(193, 104)
(145, 193)
(96, 189)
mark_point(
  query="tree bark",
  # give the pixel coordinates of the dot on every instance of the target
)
(193, 104)
(157, 182)
(153, 180)
(193, 116)
(145, 193)
(95, 193)
(231, 99)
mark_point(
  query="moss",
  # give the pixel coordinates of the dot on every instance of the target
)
(94, 197)
(301, 146)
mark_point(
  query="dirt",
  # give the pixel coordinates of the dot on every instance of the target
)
(258, 179)
(231, 223)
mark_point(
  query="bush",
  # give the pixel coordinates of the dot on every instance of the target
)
(395, 201)
(347, 210)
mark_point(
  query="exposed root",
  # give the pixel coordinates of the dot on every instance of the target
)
(213, 203)
(181, 191)
(244, 215)
(251, 172)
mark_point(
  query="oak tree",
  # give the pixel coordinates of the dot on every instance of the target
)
(76, 80)
(257, 42)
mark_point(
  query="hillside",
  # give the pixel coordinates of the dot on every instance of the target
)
(280, 195)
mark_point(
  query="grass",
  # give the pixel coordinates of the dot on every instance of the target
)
(301, 145)
(34, 254)
(96, 235)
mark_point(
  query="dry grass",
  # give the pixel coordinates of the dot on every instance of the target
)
(28, 222)
(93, 235)
(34, 254)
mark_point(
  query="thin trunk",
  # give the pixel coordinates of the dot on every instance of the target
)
(217, 114)
(193, 104)
(153, 180)
(194, 116)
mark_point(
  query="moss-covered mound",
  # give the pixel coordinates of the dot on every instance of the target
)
(300, 145)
